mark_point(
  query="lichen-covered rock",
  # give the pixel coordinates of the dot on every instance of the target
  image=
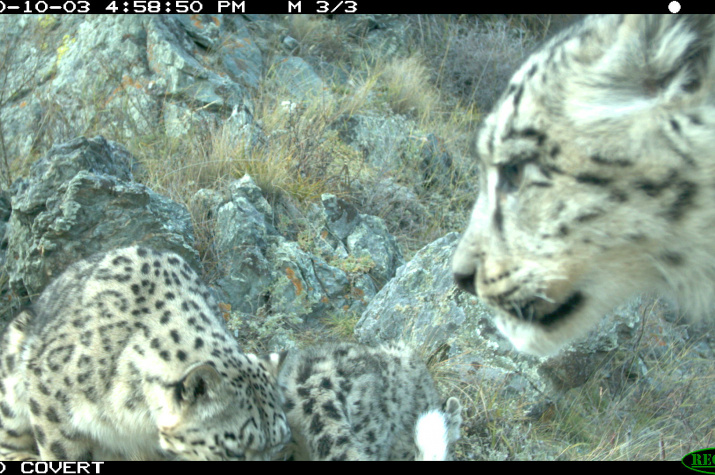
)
(349, 232)
(421, 304)
(421, 301)
(299, 78)
(261, 271)
(125, 73)
(80, 199)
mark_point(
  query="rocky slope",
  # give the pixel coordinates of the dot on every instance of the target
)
(280, 272)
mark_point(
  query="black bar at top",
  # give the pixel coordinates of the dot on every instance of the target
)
(333, 7)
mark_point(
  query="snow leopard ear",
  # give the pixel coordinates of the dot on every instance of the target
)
(637, 64)
(452, 407)
(22, 319)
(199, 381)
(274, 362)
(15, 333)
(453, 411)
(674, 53)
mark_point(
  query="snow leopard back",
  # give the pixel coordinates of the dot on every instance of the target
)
(353, 402)
(125, 355)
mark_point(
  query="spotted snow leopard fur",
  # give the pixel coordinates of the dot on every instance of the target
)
(597, 178)
(353, 402)
(125, 355)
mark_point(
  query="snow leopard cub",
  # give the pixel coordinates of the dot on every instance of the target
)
(125, 355)
(352, 402)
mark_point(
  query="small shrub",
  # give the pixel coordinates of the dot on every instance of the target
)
(408, 88)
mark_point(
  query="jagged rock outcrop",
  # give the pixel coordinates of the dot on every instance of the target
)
(80, 199)
(337, 268)
(128, 74)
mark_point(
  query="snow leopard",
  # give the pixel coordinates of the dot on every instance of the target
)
(126, 356)
(596, 179)
(347, 401)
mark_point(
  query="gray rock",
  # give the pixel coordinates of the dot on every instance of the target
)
(63, 162)
(299, 78)
(126, 73)
(9, 304)
(5, 211)
(203, 30)
(78, 200)
(380, 139)
(263, 272)
(303, 284)
(399, 204)
(180, 72)
(98, 78)
(239, 54)
(422, 305)
(436, 162)
(392, 145)
(383, 36)
(347, 232)
(290, 44)
(242, 236)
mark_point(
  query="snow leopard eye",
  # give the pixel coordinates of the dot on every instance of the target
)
(511, 176)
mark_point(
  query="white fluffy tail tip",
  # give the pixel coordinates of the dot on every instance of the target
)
(431, 436)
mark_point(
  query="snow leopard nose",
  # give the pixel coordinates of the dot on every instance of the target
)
(486, 278)
(465, 282)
